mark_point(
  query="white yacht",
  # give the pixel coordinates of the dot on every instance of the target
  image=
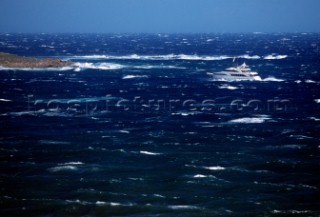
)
(242, 72)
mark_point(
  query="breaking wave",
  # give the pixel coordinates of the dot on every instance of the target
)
(215, 168)
(101, 66)
(229, 87)
(275, 57)
(5, 100)
(72, 163)
(257, 120)
(134, 76)
(183, 207)
(158, 67)
(69, 166)
(164, 57)
(272, 79)
(66, 68)
(63, 168)
(149, 153)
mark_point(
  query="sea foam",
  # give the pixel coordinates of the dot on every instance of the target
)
(255, 120)
(164, 57)
(215, 168)
(275, 57)
(66, 68)
(272, 79)
(149, 153)
(5, 100)
(180, 207)
(134, 76)
(62, 168)
(101, 66)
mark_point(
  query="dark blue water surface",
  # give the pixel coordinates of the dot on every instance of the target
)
(139, 127)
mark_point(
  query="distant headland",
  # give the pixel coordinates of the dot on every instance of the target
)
(14, 61)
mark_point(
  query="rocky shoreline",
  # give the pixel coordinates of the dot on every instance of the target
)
(8, 60)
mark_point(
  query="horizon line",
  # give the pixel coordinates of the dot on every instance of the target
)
(168, 33)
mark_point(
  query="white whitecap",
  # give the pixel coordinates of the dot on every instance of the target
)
(301, 137)
(186, 113)
(179, 207)
(100, 66)
(275, 57)
(228, 87)
(256, 120)
(163, 57)
(134, 76)
(72, 163)
(78, 202)
(310, 81)
(272, 79)
(115, 204)
(215, 168)
(5, 100)
(159, 195)
(200, 176)
(63, 168)
(100, 203)
(66, 68)
(288, 212)
(246, 56)
(159, 67)
(149, 153)
(124, 131)
(314, 118)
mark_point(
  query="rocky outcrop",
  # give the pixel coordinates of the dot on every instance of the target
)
(14, 61)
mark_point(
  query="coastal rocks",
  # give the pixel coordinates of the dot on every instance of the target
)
(15, 61)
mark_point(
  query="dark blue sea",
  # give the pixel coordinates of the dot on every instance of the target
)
(139, 127)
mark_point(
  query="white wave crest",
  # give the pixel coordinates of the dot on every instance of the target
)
(134, 76)
(246, 56)
(158, 67)
(72, 163)
(200, 176)
(62, 168)
(272, 79)
(310, 81)
(101, 66)
(5, 100)
(164, 57)
(215, 168)
(177, 207)
(290, 212)
(159, 195)
(78, 202)
(229, 87)
(275, 57)
(149, 153)
(314, 118)
(102, 203)
(66, 68)
(69, 166)
(258, 120)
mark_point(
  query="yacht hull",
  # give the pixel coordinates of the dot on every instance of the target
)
(241, 73)
(228, 77)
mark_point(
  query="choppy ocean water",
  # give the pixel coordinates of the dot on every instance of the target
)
(138, 127)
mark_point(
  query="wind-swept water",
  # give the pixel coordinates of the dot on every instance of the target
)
(138, 126)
